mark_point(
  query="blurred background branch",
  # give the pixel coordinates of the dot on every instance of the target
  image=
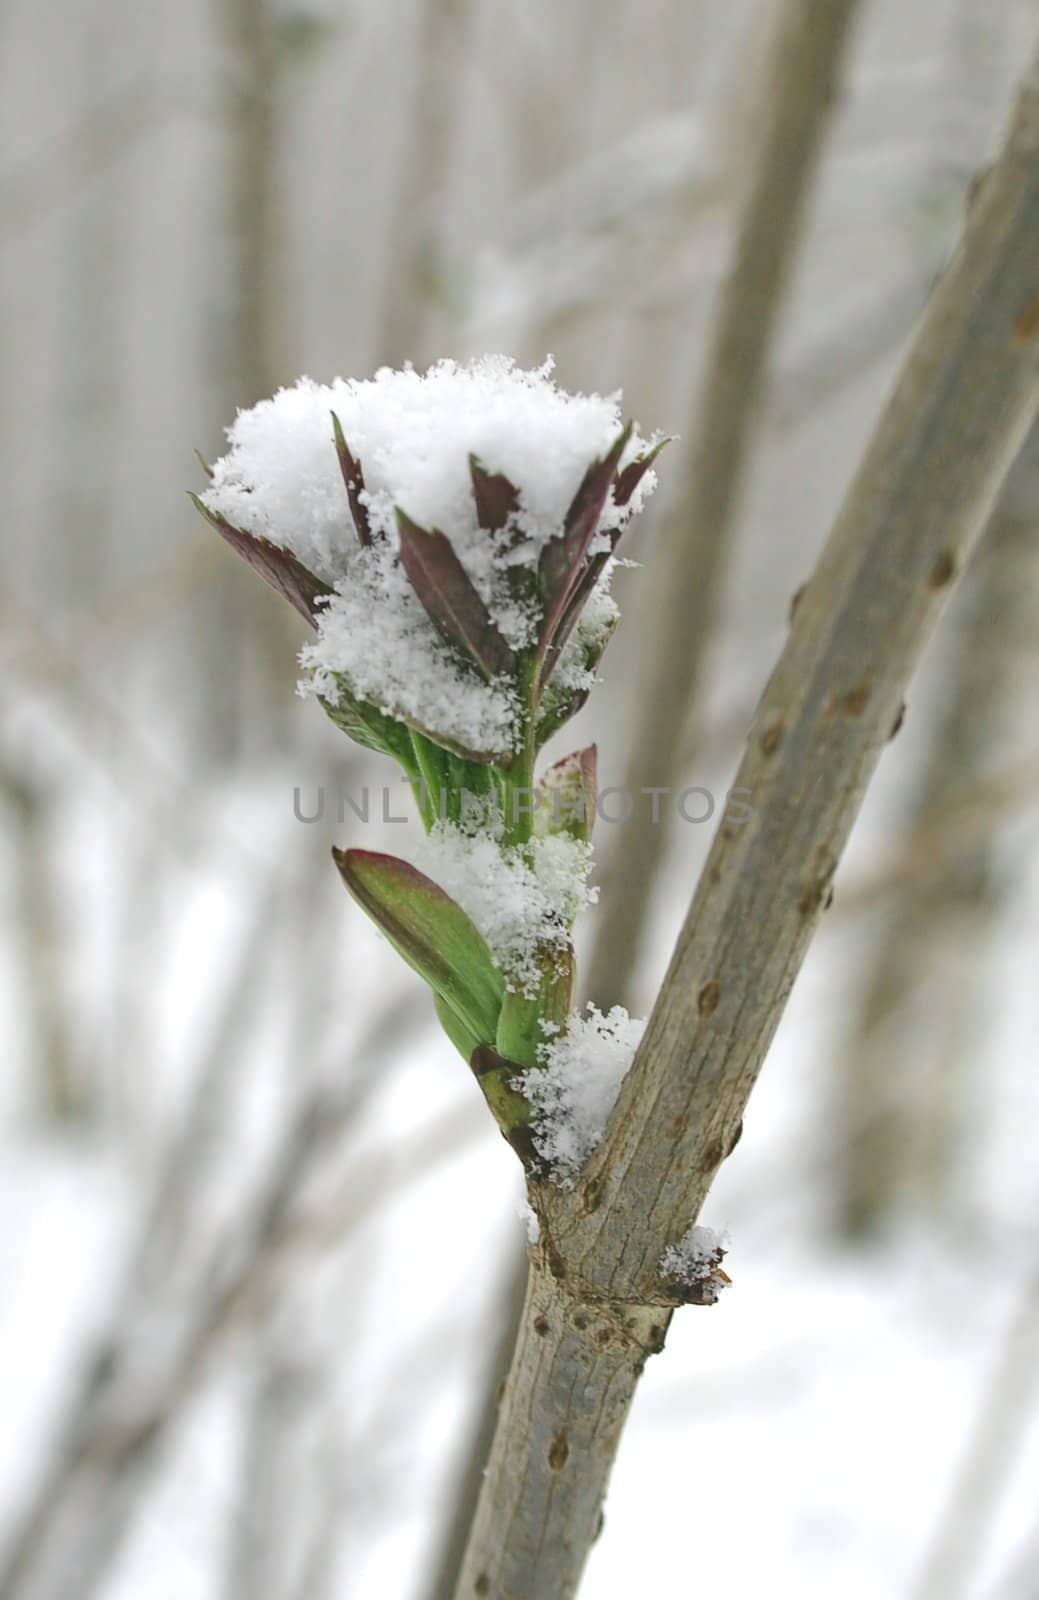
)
(799, 91)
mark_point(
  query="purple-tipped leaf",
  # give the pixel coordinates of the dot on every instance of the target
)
(353, 480)
(586, 507)
(496, 498)
(559, 706)
(578, 599)
(497, 501)
(563, 559)
(572, 615)
(624, 486)
(277, 567)
(558, 711)
(568, 791)
(626, 482)
(451, 602)
(431, 932)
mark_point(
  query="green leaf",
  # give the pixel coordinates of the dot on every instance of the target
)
(464, 1041)
(451, 788)
(433, 790)
(431, 932)
(392, 733)
(367, 725)
(520, 1029)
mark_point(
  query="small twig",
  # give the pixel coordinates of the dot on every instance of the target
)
(855, 342)
(63, 1089)
(936, 919)
(798, 88)
(930, 850)
(1004, 1414)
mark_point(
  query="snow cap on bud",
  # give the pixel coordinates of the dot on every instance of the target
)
(443, 532)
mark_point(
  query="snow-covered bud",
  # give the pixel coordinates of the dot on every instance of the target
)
(445, 534)
(450, 537)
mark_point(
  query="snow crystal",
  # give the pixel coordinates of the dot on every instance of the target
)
(695, 1262)
(573, 1092)
(521, 897)
(413, 435)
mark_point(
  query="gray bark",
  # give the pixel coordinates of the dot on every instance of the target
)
(574, 1373)
(967, 395)
(468, 1476)
(925, 981)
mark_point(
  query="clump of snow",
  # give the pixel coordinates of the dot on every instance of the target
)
(413, 434)
(695, 1263)
(574, 1090)
(374, 633)
(523, 898)
(528, 1215)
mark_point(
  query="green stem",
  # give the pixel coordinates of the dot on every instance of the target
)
(520, 1032)
(430, 782)
(518, 790)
